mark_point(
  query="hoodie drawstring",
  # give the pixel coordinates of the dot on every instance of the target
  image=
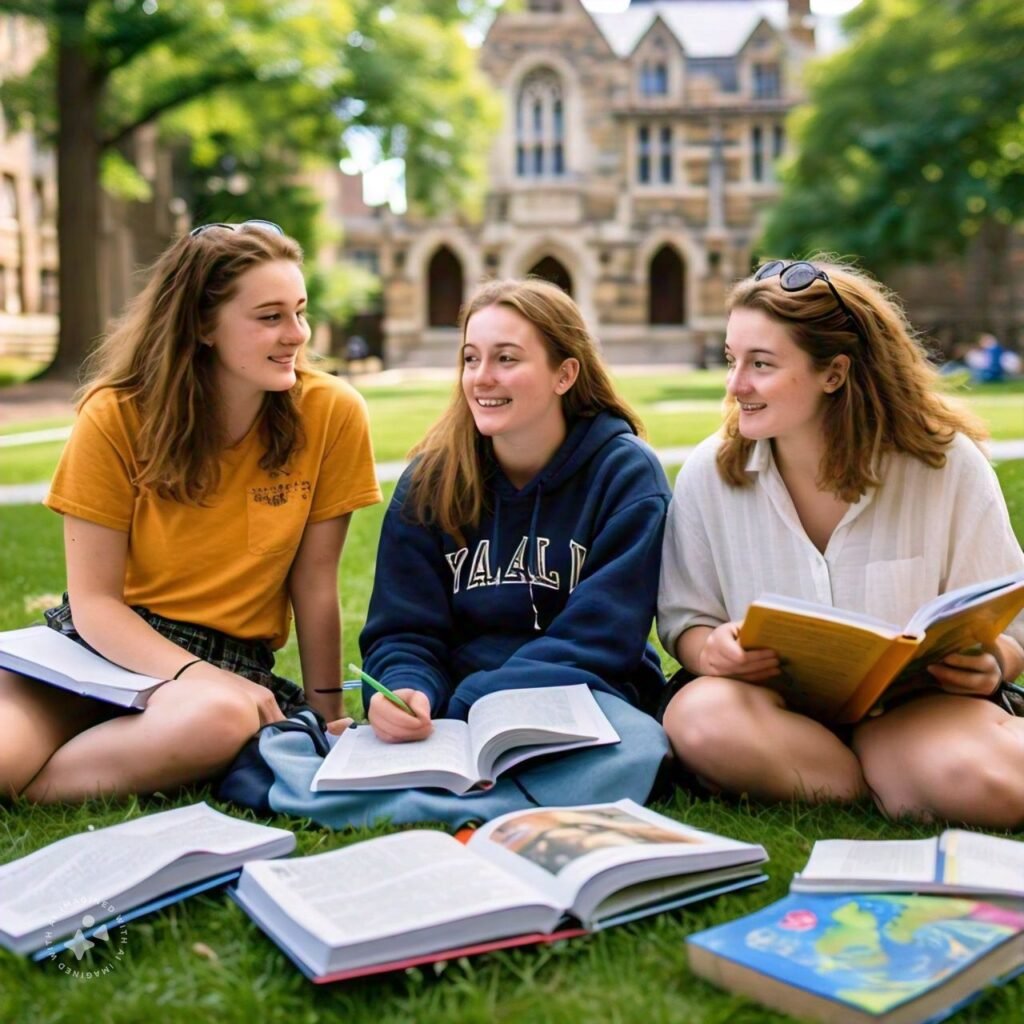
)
(531, 545)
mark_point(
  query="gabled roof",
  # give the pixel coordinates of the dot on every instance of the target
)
(704, 28)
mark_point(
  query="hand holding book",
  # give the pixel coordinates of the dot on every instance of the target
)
(722, 655)
(973, 672)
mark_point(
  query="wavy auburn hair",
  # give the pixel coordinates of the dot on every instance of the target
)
(447, 487)
(155, 360)
(890, 401)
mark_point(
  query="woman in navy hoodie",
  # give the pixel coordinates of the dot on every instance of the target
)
(521, 548)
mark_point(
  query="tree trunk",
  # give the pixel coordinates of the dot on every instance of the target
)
(79, 92)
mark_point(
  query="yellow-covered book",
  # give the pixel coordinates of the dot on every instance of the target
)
(837, 664)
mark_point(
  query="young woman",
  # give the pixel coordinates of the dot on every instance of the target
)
(521, 548)
(206, 492)
(842, 477)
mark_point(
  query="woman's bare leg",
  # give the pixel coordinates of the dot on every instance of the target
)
(958, 759)
(742, 738)
(36, 719)
(187, 734)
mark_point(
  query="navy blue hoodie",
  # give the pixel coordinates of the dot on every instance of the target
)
(556, 586)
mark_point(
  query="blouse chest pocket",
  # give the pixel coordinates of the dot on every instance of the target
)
(896, 588)
(276, 515)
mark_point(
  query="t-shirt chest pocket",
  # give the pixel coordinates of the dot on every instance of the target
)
(276, 515)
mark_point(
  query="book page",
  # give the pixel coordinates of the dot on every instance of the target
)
(972, 595)
(565, 848)
(883, 860)
(65, 878)
(359, 755)
(46, 647)
(387, 886)
(984, 863)
(562, 712)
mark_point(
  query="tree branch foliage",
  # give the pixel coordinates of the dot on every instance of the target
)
(913, 136)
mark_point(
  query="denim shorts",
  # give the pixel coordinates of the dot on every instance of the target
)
(251, 659)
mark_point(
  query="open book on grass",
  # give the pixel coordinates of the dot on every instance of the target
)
(861, 959)
(76, 886)
(42, 653)
(503, 729)
(524, 877)
(955, 863)
(836, 664)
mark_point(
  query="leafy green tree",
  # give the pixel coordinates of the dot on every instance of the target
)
(912, 142)
(249, 92)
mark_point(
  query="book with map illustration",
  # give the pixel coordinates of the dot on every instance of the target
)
(525, 877)
(863, 959)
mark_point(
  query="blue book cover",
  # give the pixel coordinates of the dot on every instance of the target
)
(870, 953)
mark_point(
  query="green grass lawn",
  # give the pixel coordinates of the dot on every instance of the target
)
(679, 409)
(203, 960)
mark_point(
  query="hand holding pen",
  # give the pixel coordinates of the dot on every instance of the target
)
(398, 716)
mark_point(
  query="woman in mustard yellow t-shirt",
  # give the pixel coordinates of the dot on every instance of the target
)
(206, 492)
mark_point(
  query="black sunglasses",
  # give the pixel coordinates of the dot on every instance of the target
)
(795, 277)
(264, 225)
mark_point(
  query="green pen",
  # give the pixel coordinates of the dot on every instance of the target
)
(382, 689)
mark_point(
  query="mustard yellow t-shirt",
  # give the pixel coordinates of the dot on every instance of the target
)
(224, 564)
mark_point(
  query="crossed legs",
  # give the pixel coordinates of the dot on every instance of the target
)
(59, 747)
(940, 756)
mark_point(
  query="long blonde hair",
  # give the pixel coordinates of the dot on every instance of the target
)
(890, 400)
(154, 359)
(447, 487)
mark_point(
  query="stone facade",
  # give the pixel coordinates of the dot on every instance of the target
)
(28, 211)
(634, 166)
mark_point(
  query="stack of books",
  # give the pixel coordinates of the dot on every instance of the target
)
(879, 932)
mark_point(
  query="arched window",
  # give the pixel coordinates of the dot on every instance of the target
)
(552, 270)
(666, 288)
(444, 289)
(540, 126)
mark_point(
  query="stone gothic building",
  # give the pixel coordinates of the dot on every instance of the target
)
(633, 167)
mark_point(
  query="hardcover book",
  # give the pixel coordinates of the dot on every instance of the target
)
(863, 959)
(837, 664)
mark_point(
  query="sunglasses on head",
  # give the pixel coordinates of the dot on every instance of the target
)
(795, 277)
(263, 225)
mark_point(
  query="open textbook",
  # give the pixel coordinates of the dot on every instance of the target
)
(42, 653)
(503, 729)
(524, 877)
(956, 862)
(120, 872)
(863, 959)
(836, 664)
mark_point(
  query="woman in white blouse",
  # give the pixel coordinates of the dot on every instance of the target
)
(840, 476)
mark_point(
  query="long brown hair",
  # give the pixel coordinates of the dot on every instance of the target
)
(890, 400)
(447, 486)
(154, 359)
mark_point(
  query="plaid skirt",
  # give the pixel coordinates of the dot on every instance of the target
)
(251, 659)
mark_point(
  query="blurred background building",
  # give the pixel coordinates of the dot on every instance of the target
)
(633, 167)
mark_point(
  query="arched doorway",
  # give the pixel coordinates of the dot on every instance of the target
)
(666, 288)
(444, 289)
(551, 270)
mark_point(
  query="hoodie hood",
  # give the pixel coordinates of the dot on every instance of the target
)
(585, 438)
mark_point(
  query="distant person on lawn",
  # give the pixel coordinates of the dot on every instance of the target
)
(521, 548)
(841, 476)
(206, 491)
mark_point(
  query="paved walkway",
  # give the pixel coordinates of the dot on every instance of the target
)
(389, 472)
